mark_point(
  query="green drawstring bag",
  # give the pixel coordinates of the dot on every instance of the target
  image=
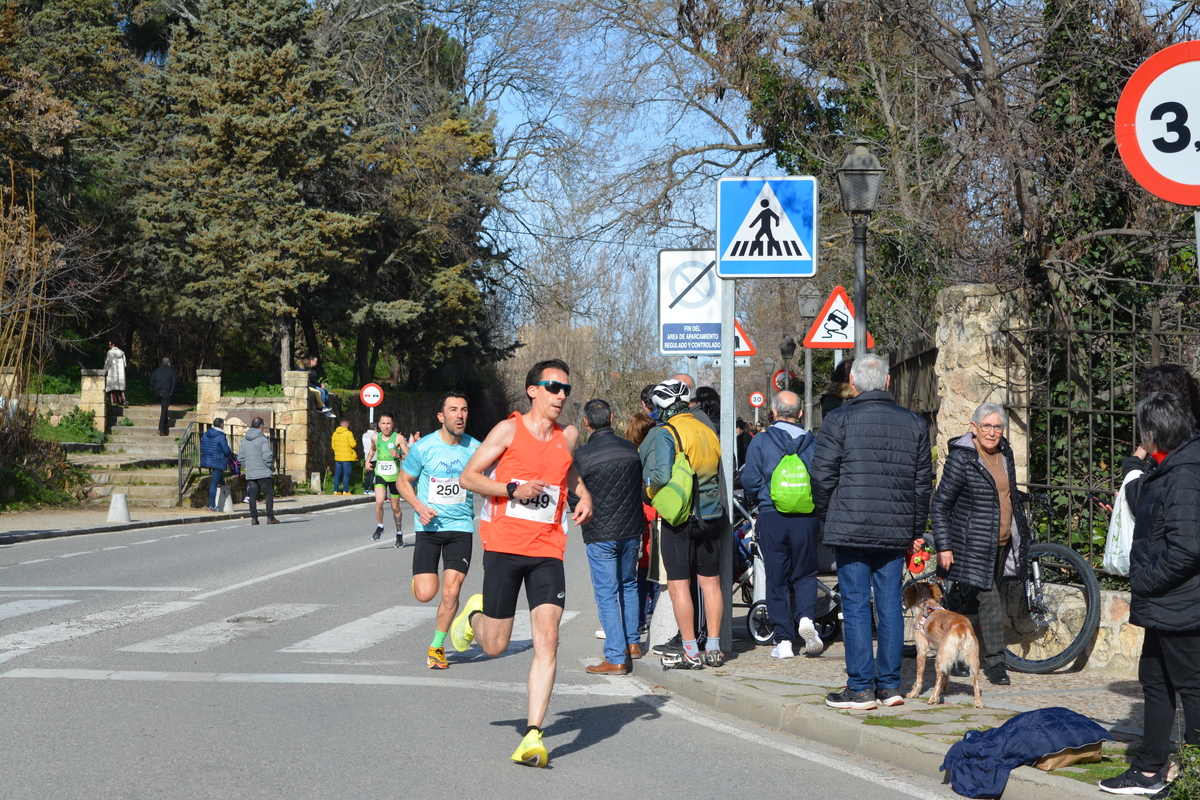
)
(674, 501)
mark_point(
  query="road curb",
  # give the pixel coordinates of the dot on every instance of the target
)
(16, 538)
(827, 726)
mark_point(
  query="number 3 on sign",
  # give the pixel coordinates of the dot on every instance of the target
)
(1158, 124)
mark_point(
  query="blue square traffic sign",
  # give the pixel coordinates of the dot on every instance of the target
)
(767, 227)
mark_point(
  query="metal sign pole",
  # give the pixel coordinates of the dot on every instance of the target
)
(1196, 225)
(728, 449)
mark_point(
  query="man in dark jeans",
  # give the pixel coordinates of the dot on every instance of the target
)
(872, 477)
(612, 470)
(162, 381)
(258, 463)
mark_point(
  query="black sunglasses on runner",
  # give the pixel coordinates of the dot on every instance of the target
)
(554, 387)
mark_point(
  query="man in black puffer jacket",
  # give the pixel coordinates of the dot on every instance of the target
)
(612, 471)
(871, 480)
(1164, 576)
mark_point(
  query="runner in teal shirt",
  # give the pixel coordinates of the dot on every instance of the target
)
(444, 515)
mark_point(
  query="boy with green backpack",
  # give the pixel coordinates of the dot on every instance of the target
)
(776, 478)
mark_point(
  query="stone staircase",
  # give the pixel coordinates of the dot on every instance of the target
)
(136, 461)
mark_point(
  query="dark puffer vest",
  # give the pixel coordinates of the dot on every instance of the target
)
(966, 514)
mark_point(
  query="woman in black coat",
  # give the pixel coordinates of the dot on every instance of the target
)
(979, 528)
(1164, 576)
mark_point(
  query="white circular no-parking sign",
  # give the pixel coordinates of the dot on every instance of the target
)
(371, 395)
(1158, 124)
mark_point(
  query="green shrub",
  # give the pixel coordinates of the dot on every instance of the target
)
(55, 384)
(1187, 785)
(76, 426)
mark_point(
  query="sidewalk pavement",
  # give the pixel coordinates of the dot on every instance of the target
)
(23, 526)
(789, 695)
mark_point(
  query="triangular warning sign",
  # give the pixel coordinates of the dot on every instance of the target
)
(834, 326)
(742, 346)
(766, 234)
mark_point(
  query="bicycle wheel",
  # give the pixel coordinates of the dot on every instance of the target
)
(1049, 628)
(758, 623)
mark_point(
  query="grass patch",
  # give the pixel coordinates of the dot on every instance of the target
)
(885, 721)
(76, 426)
(1110, 765)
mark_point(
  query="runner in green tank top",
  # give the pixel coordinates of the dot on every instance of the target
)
(386, 452)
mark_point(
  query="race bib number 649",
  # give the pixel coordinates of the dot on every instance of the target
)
(541, 508)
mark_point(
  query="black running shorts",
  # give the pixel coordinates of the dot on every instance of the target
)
(684, 556)
(389, 486)
(452, 547)
(503, 574)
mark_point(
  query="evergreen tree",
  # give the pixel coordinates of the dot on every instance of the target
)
(241, 138)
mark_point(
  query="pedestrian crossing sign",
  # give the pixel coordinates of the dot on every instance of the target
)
(767, 227)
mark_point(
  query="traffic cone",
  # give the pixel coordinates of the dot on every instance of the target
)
(118, 509)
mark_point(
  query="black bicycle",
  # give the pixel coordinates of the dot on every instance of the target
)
(1051, 619)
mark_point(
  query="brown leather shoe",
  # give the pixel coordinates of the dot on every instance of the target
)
(635, 651)
(605, 668)
(272, 521)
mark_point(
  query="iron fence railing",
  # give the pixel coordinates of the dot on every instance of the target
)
(189, 451)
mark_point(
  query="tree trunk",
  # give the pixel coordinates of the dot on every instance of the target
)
(310, 333)
(362, 356)
(285, 332)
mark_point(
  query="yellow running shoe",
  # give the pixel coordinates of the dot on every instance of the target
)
(461, 634)
(531, 751)
(437, 658)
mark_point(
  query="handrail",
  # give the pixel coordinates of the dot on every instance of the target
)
(189, 448)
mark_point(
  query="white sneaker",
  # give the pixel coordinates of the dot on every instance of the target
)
(600, 634)
(783, 650)
(812, 642)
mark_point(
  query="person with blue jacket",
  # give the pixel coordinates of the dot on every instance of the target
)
(214, 456)
(788, 542)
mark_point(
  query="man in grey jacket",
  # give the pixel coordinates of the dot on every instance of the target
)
(257, 460)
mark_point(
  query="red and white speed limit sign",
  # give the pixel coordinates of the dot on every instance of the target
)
(757, 400)
(371, 395)
(1158, 124)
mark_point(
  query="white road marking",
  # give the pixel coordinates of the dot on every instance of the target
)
(118, 547)
(13, 654)
(98, 589)
(210, 530)
(212, 634)
(93, 623)
(18, 607)
(80, 553)
(178, 535)
(366, 632)
(287, 571)
(679, 710)
(231, 527)
(305, 678)
(35, 561)
(148, 541)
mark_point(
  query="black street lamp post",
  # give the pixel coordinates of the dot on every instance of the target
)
(859, 180)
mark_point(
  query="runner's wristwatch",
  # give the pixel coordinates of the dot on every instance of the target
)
(512, 488)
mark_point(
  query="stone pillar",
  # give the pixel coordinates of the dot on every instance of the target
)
(91, 396)
(978, 362)
(295, 420)
(208, 394)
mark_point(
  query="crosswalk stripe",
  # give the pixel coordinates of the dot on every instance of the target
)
(522, 632)
(92, 623)
(366, 632)
(18, 607)
(212, 634)
(606, 688)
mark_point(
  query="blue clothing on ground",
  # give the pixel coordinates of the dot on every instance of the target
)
(437, 467)
(613, 563)
(979, 764)
(859, 571)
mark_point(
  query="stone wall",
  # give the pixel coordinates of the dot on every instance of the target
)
(977, 362)
(56, 405)
(1118, 643)
(92, 398)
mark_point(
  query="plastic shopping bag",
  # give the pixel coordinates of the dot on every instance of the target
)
(1120, 532)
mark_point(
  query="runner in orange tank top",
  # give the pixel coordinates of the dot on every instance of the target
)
(524, 468)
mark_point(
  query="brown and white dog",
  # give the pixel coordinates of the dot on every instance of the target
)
(951, 634)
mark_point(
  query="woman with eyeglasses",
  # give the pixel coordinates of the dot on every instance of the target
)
(980, 532)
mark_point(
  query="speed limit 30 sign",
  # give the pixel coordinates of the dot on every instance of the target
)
(757, 400)
(1158, 124)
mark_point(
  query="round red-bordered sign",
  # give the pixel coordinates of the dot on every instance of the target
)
(757, 400)
(777, 380)
(371, 395)
(1158, 124)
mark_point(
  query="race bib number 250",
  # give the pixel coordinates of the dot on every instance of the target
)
(446, 492)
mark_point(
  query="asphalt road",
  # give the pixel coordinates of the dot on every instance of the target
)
(288, 661)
